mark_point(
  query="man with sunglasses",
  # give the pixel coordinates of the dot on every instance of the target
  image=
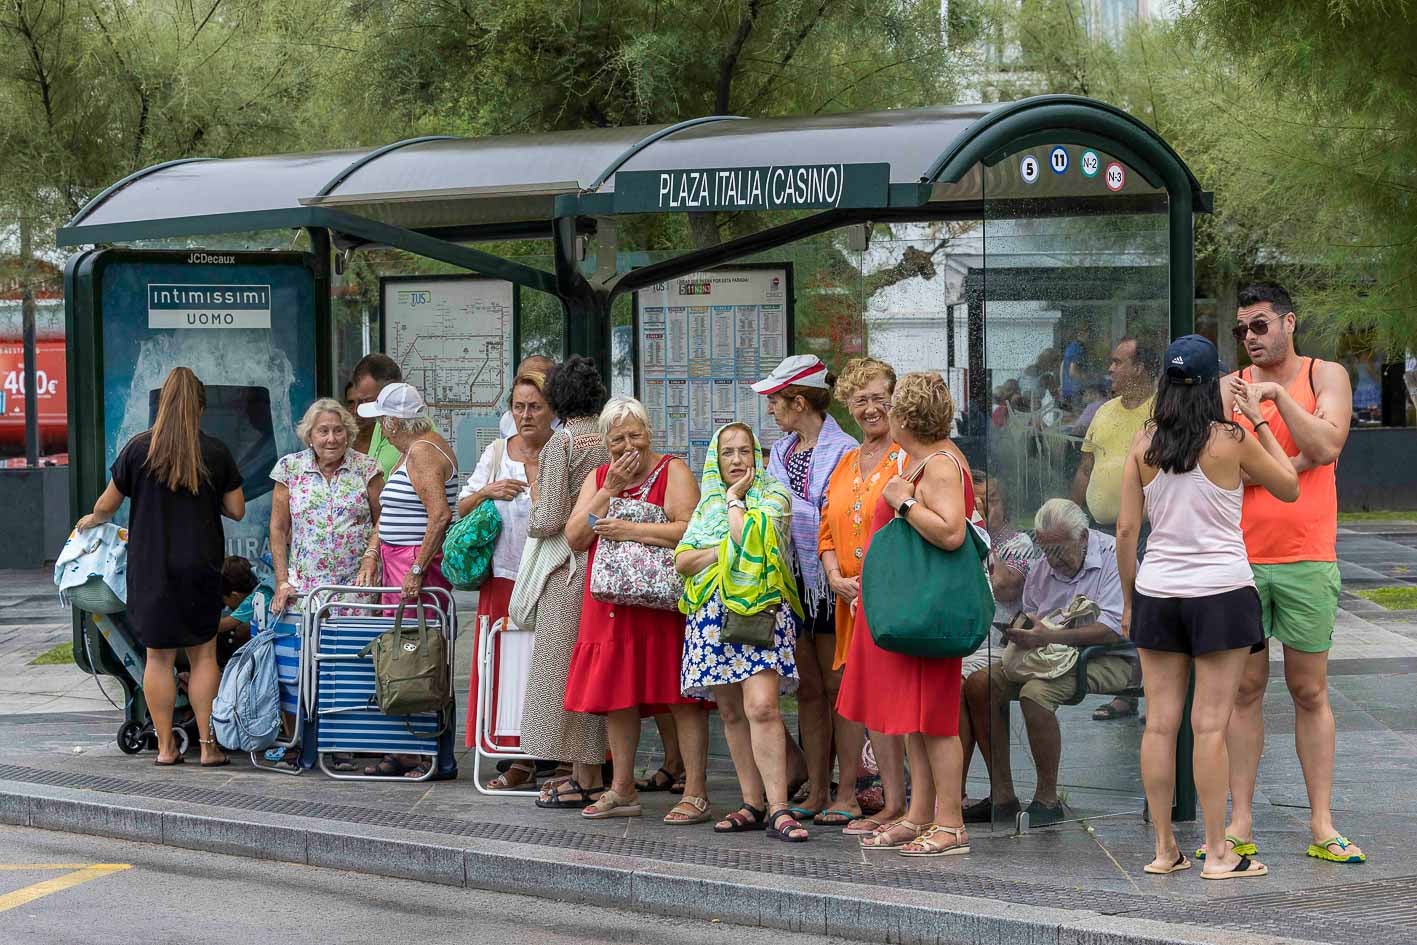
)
(1307, 404)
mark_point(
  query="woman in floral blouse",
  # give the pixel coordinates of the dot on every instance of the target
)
(324, 508)
(865, 387)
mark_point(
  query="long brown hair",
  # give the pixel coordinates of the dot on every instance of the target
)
(174, 452)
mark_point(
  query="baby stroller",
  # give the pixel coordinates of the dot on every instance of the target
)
(90, 574)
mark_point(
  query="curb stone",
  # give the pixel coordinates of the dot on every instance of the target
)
(819, 907)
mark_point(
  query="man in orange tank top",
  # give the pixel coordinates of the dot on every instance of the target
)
(1307, 404)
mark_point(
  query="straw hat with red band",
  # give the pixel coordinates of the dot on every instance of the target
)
(802, 370)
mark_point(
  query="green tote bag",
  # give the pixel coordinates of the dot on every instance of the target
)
(921, 600)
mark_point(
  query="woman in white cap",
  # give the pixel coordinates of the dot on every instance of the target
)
(799, 391)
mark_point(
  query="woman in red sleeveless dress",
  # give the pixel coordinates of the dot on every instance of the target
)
(626, 660)
(909, 695)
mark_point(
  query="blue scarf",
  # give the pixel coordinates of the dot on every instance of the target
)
(832, 444)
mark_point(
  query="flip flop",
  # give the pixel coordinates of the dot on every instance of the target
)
(802, 813)
(1245, 869)
(168, 764)
(1181, 864)
(1321, 851)
(1242, 847)
(1109, 711)
(834, 818)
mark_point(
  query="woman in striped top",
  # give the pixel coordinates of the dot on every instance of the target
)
(419, 497)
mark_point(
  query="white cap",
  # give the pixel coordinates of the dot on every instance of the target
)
(805, 370)
(400, 401)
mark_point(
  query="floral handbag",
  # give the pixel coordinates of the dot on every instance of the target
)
(632, 574)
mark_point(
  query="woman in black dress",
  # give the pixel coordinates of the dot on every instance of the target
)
(181, 482)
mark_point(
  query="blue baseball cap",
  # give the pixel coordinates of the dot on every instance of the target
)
(1192, 359)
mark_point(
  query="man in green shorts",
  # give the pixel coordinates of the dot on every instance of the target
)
(1307, 404)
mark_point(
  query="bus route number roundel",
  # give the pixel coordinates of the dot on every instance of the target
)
(1028, 169)
(1091, 163)
(1058, 160)
(1116, 176)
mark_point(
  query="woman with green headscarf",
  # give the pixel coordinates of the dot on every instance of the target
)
(739, 585)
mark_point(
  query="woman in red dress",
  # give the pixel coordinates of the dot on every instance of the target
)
(909, 695)
(625, 664)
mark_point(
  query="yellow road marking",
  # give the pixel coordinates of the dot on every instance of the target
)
(21, 867)
(81, 874)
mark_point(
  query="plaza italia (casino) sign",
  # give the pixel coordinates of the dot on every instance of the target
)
(777, 187)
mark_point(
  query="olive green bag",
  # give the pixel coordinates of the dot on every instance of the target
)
(753, 629)
(411, 671)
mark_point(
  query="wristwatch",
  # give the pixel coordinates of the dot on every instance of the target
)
(904, 508)
(737, 504)
(416, 570)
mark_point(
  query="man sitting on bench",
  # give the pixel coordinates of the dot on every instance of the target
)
(1078, 560)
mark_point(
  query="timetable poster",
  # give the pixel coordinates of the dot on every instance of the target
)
(704, 340)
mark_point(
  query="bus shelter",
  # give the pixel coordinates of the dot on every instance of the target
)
(1008, 246)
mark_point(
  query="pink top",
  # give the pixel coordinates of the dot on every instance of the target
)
(1196, 548)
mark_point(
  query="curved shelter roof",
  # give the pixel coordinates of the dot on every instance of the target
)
(920, 157)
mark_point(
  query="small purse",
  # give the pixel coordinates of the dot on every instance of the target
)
(758, 629)
(632, 574)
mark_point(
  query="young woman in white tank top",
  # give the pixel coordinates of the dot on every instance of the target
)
(1194, 601)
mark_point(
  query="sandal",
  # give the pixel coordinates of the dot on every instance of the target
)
(569, 795)
(743, 820)
(386, 767)
(1245, 869)
(864, 826)
(610, 804)
(691, 810)
(1110, 710)
(506, 781)
(783, 826)
(680, 784)
(1321, 851)
(834, 818)
(893, 835)
(1181, 864)
(418, 771)
(657, 783)
(225, 760)
(1242, 847)
(926, 845)
(342, 761)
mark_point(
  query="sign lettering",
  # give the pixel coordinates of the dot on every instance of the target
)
(778, 187)
(209, 306)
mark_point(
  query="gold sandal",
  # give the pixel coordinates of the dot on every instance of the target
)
(883, 839)
(926, 844)
(691, 810)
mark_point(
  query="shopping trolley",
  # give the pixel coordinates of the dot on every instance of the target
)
(341, 697)
(503, 667)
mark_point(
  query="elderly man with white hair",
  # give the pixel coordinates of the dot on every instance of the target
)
(1077, 560)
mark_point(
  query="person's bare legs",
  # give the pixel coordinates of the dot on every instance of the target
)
(1245, 743)
(691, 722)
(814, 720)
(1306, 675)
(945, 756)
(890, 761)
(922, 783)
(1217, 681)
(1165, 677)
(201, 692)
(760, 705)
(1045, 741)
(738, 734)
(849, 737)
(160, 692)
(989, 715)
(590, 777)
(667, 723)
(622, 729)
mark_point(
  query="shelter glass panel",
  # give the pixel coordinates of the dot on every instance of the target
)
(1070, 293)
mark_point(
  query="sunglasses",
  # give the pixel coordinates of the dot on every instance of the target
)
(1259, 326)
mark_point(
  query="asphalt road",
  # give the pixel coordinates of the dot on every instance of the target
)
(166, 895)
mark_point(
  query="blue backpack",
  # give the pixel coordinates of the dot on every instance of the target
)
(246, 711)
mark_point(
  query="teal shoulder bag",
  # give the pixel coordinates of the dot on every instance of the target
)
(921, 600)
(468, 547)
